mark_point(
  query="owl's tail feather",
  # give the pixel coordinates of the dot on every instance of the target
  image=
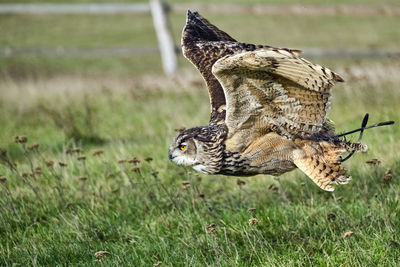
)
(322, 165)
(322, 161)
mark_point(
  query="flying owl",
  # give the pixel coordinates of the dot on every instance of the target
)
(268, 111)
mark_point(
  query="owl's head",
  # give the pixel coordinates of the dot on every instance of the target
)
(184, 148)
(199, 147)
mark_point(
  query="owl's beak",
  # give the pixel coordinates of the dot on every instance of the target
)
(170, 154)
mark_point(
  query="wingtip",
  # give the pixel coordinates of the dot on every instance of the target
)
(190, 15)
(338, 78)
(296, 51)
(190, 19)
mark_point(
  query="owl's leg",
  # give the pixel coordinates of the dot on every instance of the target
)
(321, 162)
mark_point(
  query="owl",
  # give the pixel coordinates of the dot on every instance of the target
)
(268, 111)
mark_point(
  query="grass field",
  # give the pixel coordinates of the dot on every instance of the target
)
(100, 178)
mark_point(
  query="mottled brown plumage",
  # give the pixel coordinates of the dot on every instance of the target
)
(268, 111)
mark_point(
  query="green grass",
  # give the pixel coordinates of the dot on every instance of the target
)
(143, 216)
(141, 213)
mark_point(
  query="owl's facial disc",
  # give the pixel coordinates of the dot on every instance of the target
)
(183, 151)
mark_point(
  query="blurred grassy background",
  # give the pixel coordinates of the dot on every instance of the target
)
(127, 30)
(126, 107)
(271, 2)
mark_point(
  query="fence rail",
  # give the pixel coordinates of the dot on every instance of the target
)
(166, 47)
(122, 51)
(126, 51)
(105, 8)
(74, 8)
(289, 10)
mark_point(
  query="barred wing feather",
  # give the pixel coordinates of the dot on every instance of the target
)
(274, 90)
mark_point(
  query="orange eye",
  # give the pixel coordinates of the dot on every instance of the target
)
(182, 147)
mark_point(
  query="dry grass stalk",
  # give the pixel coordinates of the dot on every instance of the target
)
(97, 152)
(134, 160)
(253, 221)
(20, 139)
(348, 234)
(240, 182)
(211, 228)
(101, 253)
(373, 162)
(388, 175)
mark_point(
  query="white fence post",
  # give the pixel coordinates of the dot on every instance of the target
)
(164, 36)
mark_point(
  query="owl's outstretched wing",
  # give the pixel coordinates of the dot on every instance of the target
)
(199, 39)
(203, 44)
(274, 90)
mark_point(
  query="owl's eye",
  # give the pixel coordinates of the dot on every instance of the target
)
(182, 147)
